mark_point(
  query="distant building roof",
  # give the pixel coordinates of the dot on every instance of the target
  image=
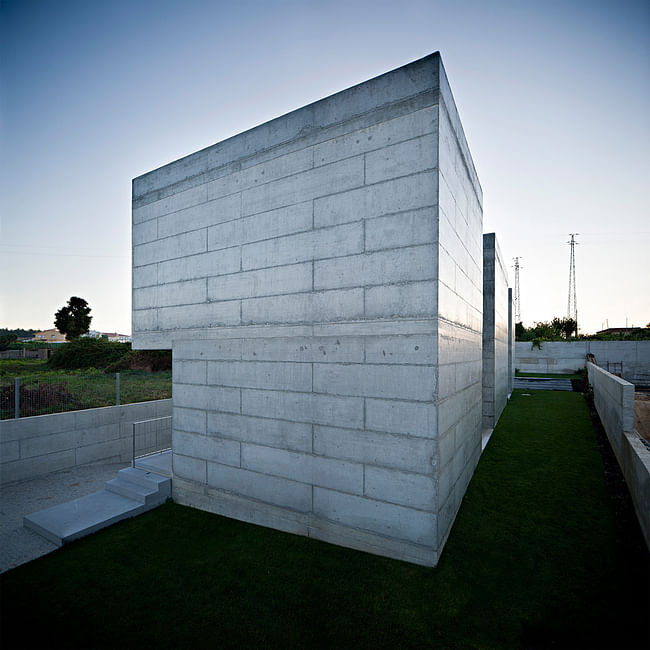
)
(623, 330)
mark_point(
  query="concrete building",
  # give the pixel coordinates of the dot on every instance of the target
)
(319, 279)
(498, 331)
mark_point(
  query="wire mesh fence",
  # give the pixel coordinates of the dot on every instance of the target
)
(151, 436)
(57, 392)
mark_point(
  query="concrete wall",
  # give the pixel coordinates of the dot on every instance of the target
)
(460, 317)
(324, 307)
(511, 342)
(614, 401)
(496, 332)
(38, 445)
(570, 355)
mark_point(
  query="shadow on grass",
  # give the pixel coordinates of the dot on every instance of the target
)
(534, 560)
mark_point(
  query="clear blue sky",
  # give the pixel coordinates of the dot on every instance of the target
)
(554, 97)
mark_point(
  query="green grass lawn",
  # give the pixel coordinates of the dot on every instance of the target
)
(535, 559)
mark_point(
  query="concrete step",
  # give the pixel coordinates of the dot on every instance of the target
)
(133, 491)
(146, 479)
(80, 517)
(158, 463)
(147, 488)
(543, 383)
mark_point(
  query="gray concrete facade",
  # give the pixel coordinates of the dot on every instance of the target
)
(614, 401)
(511, 341)
(569, 356)
(39, 445)
(497, 331)
(319, 280)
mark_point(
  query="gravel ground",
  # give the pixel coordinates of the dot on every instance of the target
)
(19, 545)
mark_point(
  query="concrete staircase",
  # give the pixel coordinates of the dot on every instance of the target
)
(134, 491)
(543, 383)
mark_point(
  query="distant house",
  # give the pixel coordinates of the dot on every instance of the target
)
(50, 336)
(92, 334)
(115, 337)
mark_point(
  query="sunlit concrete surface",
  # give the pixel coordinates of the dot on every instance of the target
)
(319, 280)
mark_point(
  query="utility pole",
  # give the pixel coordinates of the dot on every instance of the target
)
(572, 303)
(517, 296)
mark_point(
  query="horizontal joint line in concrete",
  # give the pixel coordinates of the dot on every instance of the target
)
(428, 170)
(202, 177)
(367, 151)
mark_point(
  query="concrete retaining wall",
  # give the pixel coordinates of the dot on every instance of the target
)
(496, 332)
(568, 356)
(319, 279)
(38, 445)
(614, 401)
(511, 342)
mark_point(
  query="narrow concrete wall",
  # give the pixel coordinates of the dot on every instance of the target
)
(614, 401)
(511, 342)
(568, 356)
(42, 444)
(496, 330)
(460, 314)
(323, 300)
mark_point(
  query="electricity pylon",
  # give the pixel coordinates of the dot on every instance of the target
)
(572, 303)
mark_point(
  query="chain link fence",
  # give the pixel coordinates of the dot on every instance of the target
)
(55, 393)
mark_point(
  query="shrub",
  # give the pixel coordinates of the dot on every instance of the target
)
(149, 360)
(87, 353)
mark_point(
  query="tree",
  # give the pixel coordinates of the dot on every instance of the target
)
(6, 340)
(564, 326)
(73, 319)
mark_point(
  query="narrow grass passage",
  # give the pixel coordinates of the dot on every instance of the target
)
(533, 561)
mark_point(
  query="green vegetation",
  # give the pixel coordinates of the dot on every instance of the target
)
(6, 340)
(561, 329)
(534, 560)
(81, 374)
(73, 319)
(87, 353)
(55, 391)
(20, 333)
(637, 334)
(558, 329)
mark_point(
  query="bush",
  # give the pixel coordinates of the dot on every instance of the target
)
(87, 353)
(149, 360)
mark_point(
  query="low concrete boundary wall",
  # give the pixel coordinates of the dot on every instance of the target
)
(568, 356)
(42, 353)
(38, 445)
(614, 401)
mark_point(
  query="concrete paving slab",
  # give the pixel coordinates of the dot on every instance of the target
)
(80, 517)
(18, 544)
(158, 463)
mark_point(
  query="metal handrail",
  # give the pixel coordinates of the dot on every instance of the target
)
(159, 446)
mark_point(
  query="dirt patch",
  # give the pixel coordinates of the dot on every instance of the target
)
(642, 414)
